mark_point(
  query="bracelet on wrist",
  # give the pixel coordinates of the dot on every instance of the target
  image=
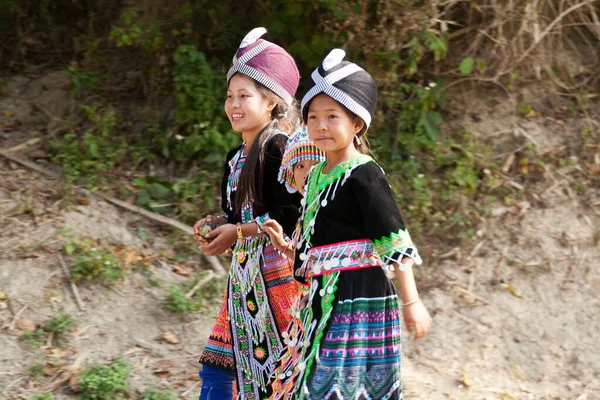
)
(411, 303)
(238, 229)
(285, 248)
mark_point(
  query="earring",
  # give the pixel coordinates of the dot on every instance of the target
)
(357, 141)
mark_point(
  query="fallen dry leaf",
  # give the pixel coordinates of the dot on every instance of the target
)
(465, 380)
(56, 354)
(49, 370)
(74, 383)
(25, 325)
(164, 364)
(82, 201)
(170, 338)
(531, 114)
(514, 291)
(162, 374)
(2, 296)
(182, 270)
(130, 258)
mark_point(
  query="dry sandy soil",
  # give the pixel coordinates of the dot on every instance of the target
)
(516, 311)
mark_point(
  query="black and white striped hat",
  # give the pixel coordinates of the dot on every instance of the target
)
(346, 83)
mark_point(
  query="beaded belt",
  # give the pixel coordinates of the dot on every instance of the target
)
(342, 256)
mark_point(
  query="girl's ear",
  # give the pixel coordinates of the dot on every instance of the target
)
(287, 127)
(358, 125)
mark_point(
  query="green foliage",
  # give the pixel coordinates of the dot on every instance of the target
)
(105, 382)
(45, 396)
(158, 394)
(34, 338)
(205, 131)
(183, 196)
(524, 109)
(60, 323)
(179, 303)
(92, 262)
(82, 79)
(89, 157)
(35, 371)
(170, 86)
(466, 66)
(153, 192)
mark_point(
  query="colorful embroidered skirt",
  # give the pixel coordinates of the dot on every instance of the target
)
(345, 344)
(247, 334)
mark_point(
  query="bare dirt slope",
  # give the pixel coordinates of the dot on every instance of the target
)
(516, 312)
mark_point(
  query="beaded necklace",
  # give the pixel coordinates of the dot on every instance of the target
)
(236, 164)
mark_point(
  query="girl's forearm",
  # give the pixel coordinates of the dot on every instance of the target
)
(406, 279)
(251, 230)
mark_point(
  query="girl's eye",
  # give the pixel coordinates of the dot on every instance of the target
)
(312, 117)
(229, 96)
(332, 116)
(299, 166)
(244, 96)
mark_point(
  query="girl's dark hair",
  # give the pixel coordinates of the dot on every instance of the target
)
(283, 118)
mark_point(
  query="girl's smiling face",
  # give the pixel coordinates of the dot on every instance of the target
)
(247, 109)
(301, 170)
(330, 125)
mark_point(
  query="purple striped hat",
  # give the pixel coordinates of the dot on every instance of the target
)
(266, 63)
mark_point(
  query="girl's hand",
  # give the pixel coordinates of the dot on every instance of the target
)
(417, 319)
(275, 232)
(198, 225)
(208, 219)
(224, 236)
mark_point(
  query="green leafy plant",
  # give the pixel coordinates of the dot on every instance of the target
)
(88, 157)
(105, 382)
(179, 303)
(59, 323)
(154, 393)
(178, 300)
(466, 66)
(206, 132)
(45, 396)
(153, 193)
(524, 109)
(35, 371)
(34, 338)
(92, 262)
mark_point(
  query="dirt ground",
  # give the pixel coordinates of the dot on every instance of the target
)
(516, 311)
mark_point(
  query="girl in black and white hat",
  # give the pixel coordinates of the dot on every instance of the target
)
(345, 344)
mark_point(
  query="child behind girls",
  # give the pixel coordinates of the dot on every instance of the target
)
(346, 342)
(246, 338)
(300, 156)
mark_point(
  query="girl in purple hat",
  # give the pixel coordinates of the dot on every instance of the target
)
(246, 338)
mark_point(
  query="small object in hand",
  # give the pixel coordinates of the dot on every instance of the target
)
(205, 228)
